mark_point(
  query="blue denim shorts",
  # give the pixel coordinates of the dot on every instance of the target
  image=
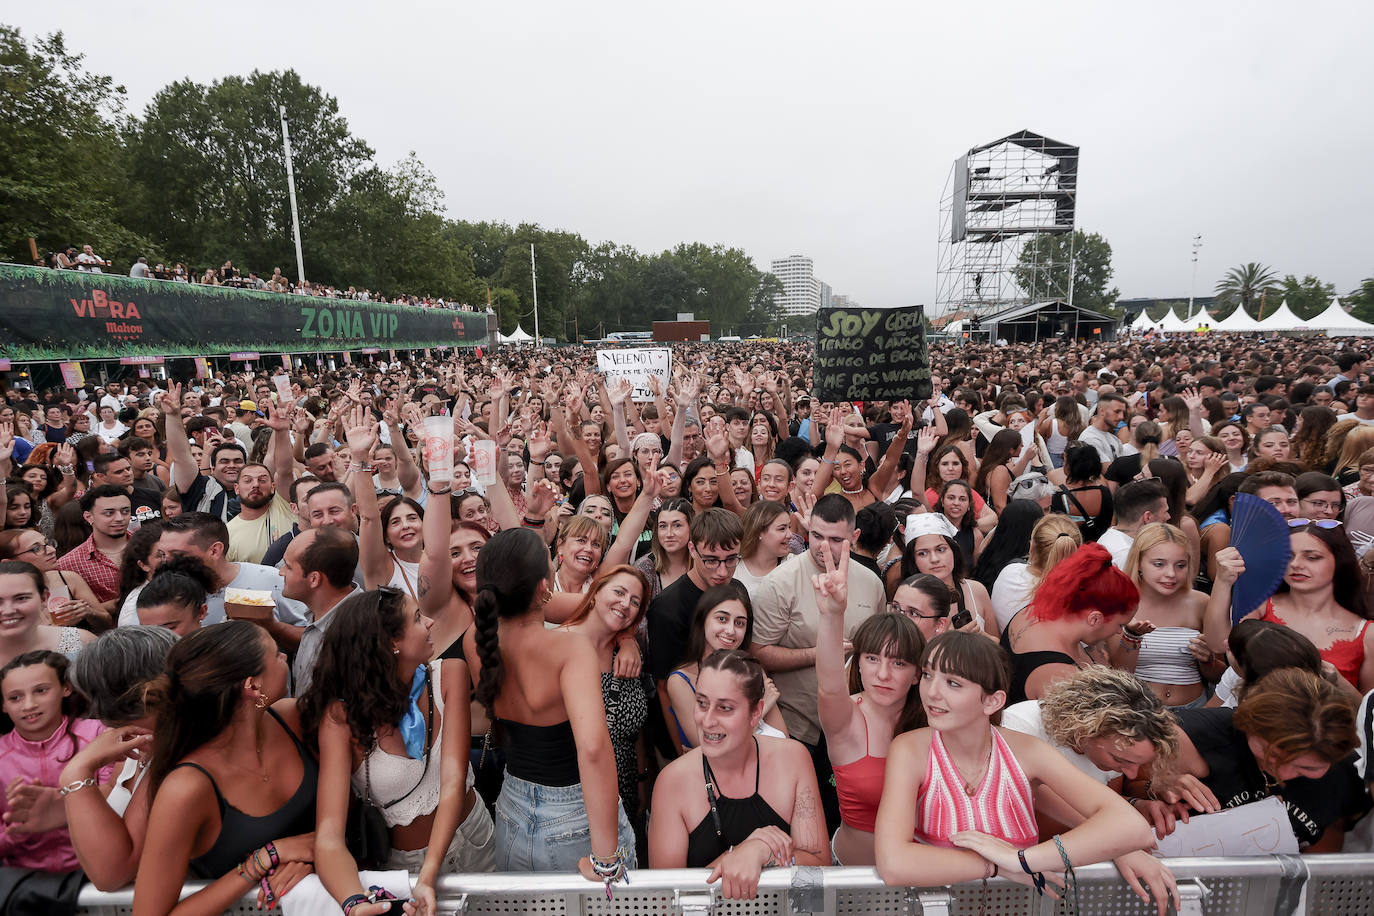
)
(544, 828)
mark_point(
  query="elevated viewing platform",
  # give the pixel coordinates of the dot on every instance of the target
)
(57, 315)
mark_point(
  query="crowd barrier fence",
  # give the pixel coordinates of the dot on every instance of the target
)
(1326, 885)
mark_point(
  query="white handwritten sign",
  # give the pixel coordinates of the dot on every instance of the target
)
(636, 366)
(1258, 829)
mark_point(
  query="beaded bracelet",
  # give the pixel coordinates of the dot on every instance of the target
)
(612, 869)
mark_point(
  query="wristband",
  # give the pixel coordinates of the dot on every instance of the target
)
(353, 901)
(448, 488)
(271, 849)
(532, 522)
(67, 470)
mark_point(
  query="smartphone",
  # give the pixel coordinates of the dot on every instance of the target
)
(961, 619)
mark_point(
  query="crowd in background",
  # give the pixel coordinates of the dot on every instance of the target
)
(87, 261)
(259, 631)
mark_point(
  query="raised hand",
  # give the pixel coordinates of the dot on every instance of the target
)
(361, 434)
(170, 403)
(1193, 398)
(6, 441)
(831, 584)
(834, 429)
(1230, 565)
(619, 391)
(278, 418)
(925, 441)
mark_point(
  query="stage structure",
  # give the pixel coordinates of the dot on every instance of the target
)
(1000, 198)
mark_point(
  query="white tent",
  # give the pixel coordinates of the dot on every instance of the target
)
(518, 337)
(1142, 323)
(1283, 319)
(1201, 320)
(1238, 320)
(1337, 322)
(1171, 323)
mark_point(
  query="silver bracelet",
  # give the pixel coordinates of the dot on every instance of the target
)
(76, 786)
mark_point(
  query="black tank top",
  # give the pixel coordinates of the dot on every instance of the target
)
(730, 820)
(542, 754)
(1023, 664)
(240, 834)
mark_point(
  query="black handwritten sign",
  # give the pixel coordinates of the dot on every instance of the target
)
(871, 355)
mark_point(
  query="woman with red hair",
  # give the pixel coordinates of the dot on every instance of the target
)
(1084, 601)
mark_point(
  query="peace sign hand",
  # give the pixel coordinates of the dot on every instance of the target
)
(832, 582)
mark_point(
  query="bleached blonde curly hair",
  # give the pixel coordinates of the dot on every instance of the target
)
(1102, 702)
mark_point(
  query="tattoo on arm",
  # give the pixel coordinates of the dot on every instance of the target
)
(805, 811)
(422, 585)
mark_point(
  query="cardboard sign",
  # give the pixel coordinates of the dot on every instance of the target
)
(871, 355)
(637, 365)
(1260, 828)
(202, 368)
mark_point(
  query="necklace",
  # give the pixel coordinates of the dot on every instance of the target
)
(971, 785)
(846, 490)
(264, 775)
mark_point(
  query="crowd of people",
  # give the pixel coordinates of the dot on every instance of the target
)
(252, 634)
(87, 261)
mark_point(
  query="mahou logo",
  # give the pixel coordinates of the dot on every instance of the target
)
(116, 315)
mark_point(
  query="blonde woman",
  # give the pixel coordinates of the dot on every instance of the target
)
(1054, 538)
(1335, 442)
(1346, 468)
(1167, 649)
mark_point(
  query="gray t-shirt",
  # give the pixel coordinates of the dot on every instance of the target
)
(251, 575)
(1108, 446)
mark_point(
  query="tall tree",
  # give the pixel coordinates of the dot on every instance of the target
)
(1307, 297)
(1042, 270)
(213, 172)
(765, 306)
(61, 168)
(1360, 301)
(1245, 286)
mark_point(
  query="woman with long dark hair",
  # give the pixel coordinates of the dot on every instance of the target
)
(400, 742)
(232, 783)
(541, 690)
(1009, 541)
(1004, 461)
(1322, 597)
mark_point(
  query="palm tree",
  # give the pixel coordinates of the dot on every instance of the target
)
(1245, 285)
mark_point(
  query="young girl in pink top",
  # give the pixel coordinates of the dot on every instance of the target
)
(957, 801)
(37, 698)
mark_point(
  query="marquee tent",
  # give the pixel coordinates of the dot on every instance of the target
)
(1284, 320)
(1238, 320)
(519, 336)
(1337, 322)
(1171, 323)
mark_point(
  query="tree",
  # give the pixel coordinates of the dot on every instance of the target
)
(1042, 270)
(1245, 286)
(212, 171)
(1360, 301)
(766, 303)
(1307, 298)
(61, 168)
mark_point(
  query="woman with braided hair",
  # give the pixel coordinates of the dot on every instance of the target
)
(559, 808)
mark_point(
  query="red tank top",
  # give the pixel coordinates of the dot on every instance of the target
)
(859, 785)
(1345, 655)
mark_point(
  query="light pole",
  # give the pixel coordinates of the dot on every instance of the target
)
(291, 188)
(1197, 245)
(534, 288)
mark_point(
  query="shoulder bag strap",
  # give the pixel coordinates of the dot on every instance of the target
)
(429, 738)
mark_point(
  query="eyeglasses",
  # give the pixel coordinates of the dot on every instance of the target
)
(711, 562)
(895, 608)
(45, 544)
(1324, 523)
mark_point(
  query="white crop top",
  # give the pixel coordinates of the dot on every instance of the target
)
(392, 776)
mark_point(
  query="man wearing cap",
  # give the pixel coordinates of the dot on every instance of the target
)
(786, 618)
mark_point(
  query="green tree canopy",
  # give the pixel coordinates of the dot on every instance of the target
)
(1360, 301)
(1307, 297)
(1042, 270)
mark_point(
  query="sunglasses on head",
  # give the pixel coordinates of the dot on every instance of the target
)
(1326, 523)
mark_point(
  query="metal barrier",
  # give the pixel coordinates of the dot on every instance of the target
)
(1329, 885)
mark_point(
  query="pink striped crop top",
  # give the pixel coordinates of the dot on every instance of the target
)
(1002, 806)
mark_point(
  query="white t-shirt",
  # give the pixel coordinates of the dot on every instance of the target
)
(1118, 544)
(1011, 592)
(1026, 718)
(1108, 446)
(110, 433)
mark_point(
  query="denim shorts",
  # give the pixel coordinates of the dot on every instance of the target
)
(544, 828)
(470, 851)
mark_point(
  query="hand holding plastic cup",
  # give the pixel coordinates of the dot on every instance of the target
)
(437, 439)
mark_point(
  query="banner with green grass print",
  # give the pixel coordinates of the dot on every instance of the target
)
(61, 315)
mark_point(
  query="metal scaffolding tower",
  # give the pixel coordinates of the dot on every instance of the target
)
(1010, 195)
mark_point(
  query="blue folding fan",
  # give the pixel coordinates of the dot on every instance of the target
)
(1260, 533)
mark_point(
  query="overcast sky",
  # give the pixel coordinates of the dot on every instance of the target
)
(825, 129)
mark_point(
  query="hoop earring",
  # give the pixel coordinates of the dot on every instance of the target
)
(261, 701)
